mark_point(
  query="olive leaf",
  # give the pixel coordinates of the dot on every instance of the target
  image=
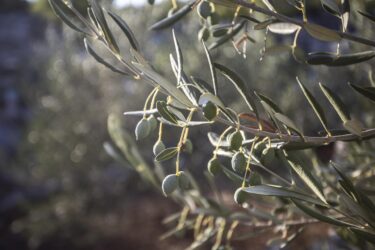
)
(368, 92)
(67, 16)
(100, 18)
(212, 69)
(126, 29)
(367, 15)
(240, 86)
(336, 102)
(230, 34)
(279, 191)
(318, 215)
(165, 113)
(170, 20)
(166, 154)
(283, 28)
(332, 59)
(99, 59)
(322, 33)
(314, 104)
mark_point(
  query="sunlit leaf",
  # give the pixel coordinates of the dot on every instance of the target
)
(272, 190)
(126, 29)
(322, 33)
(170, 20)
(336, 102)
(283, 28)
(167, 154)
(99, 59)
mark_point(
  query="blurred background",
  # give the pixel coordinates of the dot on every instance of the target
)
(58, 187)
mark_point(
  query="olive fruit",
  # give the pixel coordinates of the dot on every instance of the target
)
(214, 166)
(183, 180)
(239, 196)
(152, 122)
(204, 9)
(151, 2)
(158, 147)
(188, 146)
(235, 140)
(142, 130)
(209, 110)
(239, 162)
(170, 184)
(203, 34)
(255, 179)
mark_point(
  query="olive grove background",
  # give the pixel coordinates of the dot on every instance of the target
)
(59, 189)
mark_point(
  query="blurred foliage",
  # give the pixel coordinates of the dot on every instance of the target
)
(91, 196)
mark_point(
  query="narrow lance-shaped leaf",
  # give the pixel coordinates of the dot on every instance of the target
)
(167, 154)
(283, 28)
(168, 21)
(314, 104)
(278, 191)
(368, 92)
(240, 86)
(335, 60)
(99, 59)
(307, 178)
(99, 15)
(231, 33)
(318, 215)
(322, 33)
(126, 29)
(66, 15)
(212, 69)
(179, 57)
(288, 123)
(165, 113)
(336, 103)
(367, 15)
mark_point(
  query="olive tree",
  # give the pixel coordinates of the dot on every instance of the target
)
(302, 190)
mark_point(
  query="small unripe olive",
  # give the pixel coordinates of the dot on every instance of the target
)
(158, 147)
(142, 130)
(268, 155)
(153, 123)
(188, 146)
(183, 180)
(235, 140)
(239, 162)
(204, 9)
(209, 110)
(151, 2)
(214, 166)
(239, 196)
(258, 148)
(170, 184)
(203, 34)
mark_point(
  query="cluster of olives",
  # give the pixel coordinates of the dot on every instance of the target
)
(145, 126)
(174, 181)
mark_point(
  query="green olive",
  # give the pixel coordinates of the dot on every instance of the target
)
(183, 180)
(209, 110)
(268, 155)
(170, 184)
(204, 9)
(240, 196)
(142, 130)
(152, 122)
(235, 140)
(188, 146)
(239, 162)
(158, 147)
(214, 166)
